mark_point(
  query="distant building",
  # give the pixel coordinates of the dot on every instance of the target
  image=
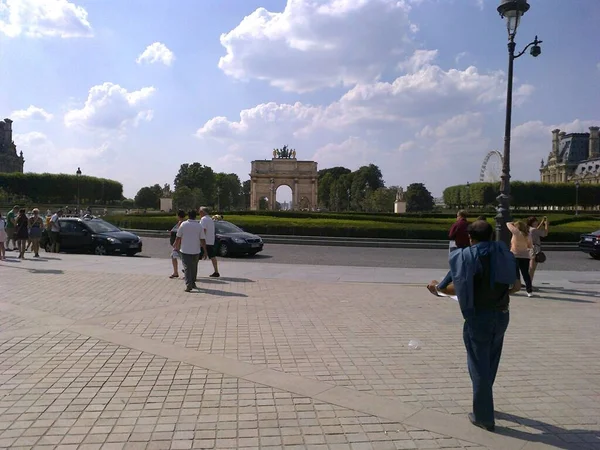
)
(9, 160)
(574, 157)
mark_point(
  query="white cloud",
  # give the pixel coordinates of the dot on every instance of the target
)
(43, 18)
(318, 43)
(418, 60)
(353, 151)
(33, 113)
(42, 155)
(156, 53)
(110, 106)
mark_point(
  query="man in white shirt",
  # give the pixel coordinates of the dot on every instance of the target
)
(190, 243)
(55, 231)
(208, 225)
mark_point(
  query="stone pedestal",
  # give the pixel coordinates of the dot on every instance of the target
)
(399, 207)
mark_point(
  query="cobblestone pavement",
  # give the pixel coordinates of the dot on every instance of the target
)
(102, 354)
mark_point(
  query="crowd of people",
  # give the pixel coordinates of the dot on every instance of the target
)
(193, 240)
(483, 273)
(23, 230)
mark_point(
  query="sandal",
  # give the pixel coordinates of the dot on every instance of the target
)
(174, 276)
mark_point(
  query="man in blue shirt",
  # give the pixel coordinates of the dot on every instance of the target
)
(482, 276)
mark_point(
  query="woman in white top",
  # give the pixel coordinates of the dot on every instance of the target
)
(174, 253)
(520, 246)
(537, 231)
(2, 238)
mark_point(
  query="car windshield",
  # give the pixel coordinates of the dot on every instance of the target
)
(226, 227)
(100, 226)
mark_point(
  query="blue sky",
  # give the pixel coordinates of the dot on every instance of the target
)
(417, 87)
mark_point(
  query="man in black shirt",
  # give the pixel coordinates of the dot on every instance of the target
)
(486, 314)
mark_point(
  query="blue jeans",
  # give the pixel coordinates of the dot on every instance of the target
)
(484, 335)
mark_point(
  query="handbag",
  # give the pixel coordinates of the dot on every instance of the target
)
(540, 257)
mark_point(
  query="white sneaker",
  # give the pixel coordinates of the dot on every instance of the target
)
(529, 294)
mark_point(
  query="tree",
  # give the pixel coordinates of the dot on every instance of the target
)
(148, 197)
(196, 175)
(381, 200)
(229, 191)
(246, 191)
(418, 198)
(186, 198)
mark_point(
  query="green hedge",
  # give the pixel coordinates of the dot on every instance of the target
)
(417, 229)
(61, 188)
(524, 194)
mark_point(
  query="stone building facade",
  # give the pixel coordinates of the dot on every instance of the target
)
(574, 157)
(9, 160)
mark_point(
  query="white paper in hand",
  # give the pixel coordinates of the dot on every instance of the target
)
(453, 297)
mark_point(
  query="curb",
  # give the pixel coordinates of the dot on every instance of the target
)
(358, 242)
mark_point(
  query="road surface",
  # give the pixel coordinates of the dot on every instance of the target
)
(369, 257)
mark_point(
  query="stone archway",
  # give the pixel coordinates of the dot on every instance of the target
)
(283, 169)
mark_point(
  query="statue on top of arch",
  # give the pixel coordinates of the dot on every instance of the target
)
(284, 153)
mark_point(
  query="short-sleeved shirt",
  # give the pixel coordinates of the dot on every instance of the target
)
(209, 228)
(190, 232)
(55, 226)
(10, 217)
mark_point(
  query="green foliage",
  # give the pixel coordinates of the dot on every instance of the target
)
(229, 191)
(186, 198)
(197, 176)
(61, 188)
(418, 198)
(149, 197)
(523, 195)
(355, 225)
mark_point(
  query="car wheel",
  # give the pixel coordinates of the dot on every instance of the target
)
(100, 250)
(595, 255)
(223, 250)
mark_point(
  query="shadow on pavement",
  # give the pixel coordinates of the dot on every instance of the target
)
(583, 439)
(45, 271)
(219, 293)
(237, 280)
(251, 257)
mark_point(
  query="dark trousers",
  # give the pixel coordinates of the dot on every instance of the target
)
(484, 335)
(523, 267)
(190, 265)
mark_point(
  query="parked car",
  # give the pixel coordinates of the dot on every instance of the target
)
(93, 235)
(590, 243)
(232, 240)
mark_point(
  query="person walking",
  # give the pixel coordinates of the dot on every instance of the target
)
(2, 238)
(459, 236)
(537, 231)
(36, 225)
(11, 223)
(175, 255)
(208, 225)
(21, 232)
(520, 246)
(482, 276)
(190, 243)
(54, 231)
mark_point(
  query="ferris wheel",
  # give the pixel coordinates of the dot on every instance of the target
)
(491, 169)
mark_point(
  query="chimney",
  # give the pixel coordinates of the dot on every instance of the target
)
(594, 143)
(555, 141)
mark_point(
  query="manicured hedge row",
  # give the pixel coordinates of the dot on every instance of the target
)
(418, 229)
(61, 188)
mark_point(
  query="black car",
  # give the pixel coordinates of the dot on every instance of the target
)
(92, 235)
(232, 240)
(590, 243)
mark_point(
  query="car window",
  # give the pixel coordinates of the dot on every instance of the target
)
(100, 226)
(226, 227)
(70, 227)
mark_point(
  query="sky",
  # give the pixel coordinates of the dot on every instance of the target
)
(130, 90)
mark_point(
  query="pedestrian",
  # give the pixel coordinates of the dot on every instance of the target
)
(175, 255)
(520, 246)
(208, 225)
(2, 238)
(537, 231)
(54, 232)
(36, 225)
(459, 237)
(190, 242)
(21, 232)
(11, 223)
(482, 276)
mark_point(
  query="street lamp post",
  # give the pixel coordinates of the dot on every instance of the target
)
(78, 174)
(512, 11)
(577, 198)
(468, 195)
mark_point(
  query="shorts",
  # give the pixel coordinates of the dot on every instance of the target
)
(10, 232)
(210, 250)
(54, 237)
